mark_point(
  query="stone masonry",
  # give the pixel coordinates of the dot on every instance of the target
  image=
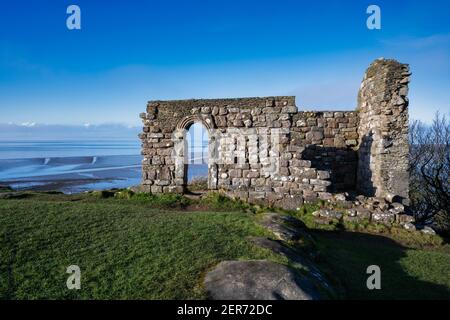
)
(383, 130)
(265, 150)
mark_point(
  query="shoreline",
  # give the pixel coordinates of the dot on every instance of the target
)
(71, 174)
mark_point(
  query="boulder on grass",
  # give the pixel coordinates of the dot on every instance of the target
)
(258, 280)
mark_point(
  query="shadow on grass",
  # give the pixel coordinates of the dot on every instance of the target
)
(405, 273)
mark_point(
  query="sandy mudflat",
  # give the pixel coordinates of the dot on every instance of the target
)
(71, 174)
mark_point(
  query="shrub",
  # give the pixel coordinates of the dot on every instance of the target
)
(124, 194)
(309, 208)
(219, 201)
(377, 228)
(103, 194)
(171, 200)
(5, 189)
(198, 184)
(430, 171)
(142, 196)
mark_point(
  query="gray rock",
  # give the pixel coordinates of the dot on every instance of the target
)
(428, 230)
(390, 197)
(409, 226)
(363, 213)
(340, 197)
(398, 207)
(296, 257)
(290, 203)
(322, 221)
(257, 280)
(383, 217)
(381, 203)
(329, 214)
(404, 218)
(355, 219)
(205, 110)
(279, 226)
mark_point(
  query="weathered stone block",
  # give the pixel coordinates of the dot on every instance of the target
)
(251, 173)
(256, 195)
(162, 182)
(289, 109)
(155, 135)
(235, 173)
(156, 189)
(323, 175)
(300, 163)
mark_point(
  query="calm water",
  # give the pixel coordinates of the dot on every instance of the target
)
(74, 166)
(70, 166)
(197, 171)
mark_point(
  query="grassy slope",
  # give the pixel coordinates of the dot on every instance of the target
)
(129, 250)
(125, 250)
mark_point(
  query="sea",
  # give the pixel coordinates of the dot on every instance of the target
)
(74, 166)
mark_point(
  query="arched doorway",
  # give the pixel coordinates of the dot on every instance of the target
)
(197, 158)
(204, 141)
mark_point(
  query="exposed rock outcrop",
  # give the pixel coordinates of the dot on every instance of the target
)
(257, 280)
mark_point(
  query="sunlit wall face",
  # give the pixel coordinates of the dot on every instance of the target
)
(197, 155)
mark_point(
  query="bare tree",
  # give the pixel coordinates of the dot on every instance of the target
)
(430, 170)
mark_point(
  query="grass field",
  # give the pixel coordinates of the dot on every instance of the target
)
(125, 250)
(406, 273)
(138, 250)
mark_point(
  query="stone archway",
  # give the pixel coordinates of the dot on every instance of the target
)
(181, 148)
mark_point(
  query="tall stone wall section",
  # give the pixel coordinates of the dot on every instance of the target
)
(383, 130)
(265, 150)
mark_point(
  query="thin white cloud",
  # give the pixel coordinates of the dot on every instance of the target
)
(28, 124)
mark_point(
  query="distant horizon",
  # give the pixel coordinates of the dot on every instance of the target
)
(68, 132)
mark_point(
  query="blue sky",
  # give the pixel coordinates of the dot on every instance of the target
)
(129, 52)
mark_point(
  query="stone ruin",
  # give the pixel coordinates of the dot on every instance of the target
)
(266, 150)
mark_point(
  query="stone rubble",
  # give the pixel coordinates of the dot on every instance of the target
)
(370, 209)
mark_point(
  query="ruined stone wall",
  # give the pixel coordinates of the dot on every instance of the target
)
(262, 149)
(265, 150)
(383, 130)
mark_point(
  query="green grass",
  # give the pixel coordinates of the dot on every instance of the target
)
(5, 189)
(136, 246)
(198, 184)
(218, 201)
(125, 249)
(406, 273)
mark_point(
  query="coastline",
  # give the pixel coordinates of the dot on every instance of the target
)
(71, 174)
